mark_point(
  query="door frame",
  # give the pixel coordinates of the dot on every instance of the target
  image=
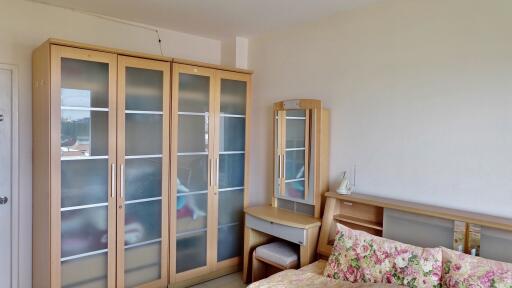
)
(15, 196)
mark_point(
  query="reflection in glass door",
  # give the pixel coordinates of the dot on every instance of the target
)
(193, 171)
(143, 158)
(209, 141)
(87, 149)
(295, 153)
(230, 182)
(292, 153)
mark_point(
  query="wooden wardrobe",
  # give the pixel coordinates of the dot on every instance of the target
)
(139, 168)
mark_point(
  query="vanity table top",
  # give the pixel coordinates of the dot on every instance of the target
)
(283, 217)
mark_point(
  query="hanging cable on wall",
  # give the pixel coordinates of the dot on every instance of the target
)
(159, 42)
(117, 20)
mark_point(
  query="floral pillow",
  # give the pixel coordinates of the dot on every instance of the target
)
(462, 270)
(361, 257)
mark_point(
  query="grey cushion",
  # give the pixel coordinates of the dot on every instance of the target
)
(281, 253)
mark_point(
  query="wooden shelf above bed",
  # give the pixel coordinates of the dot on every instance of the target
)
(358, 221)
(427, 210)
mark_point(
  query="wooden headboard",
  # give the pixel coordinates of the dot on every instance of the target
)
(365, 212)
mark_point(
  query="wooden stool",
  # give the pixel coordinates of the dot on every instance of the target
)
(271, 258)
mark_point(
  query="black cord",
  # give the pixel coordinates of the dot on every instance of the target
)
(159, 42)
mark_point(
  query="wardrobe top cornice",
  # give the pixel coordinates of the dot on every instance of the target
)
(55, 41)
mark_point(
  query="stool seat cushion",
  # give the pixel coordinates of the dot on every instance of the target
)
(280, 253)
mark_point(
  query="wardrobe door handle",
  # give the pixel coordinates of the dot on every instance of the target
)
(217, 173)
(122, 181)
(284, 166)
(279, 166)
(113, 179)
(210, 172)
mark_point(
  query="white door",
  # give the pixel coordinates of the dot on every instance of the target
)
(5, 177)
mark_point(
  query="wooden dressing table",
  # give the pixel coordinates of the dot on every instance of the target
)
(265, 223)
(301, 169)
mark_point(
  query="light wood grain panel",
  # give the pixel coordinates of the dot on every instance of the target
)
(303, 104)
(282, 152)
(358, 221)
(112, 147)
(202, 277)
(248, 123)
(307, 152)
(428, 210)
(331, 205)
(362, 211)
(275, 156)
(213, 191)
(284, 217)
(308, 251)
(120, 160)
(191, 274)
(325, 152)
(142, 55)
(319, 131)
(99, 48)
(252, 239)
(173, 171)
(212, 66)
(41, 169)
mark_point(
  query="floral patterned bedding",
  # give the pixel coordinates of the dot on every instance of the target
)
(361, 257)
(316, 267)
(370, 259)
(301, 279)
(461, 270)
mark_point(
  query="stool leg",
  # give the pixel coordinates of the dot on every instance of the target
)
(258, 269)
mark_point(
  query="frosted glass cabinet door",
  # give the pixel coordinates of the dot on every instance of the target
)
(193, 168)
(231, 166)
(295, 149)
(87, 112)
(144, 96)
(292, 129)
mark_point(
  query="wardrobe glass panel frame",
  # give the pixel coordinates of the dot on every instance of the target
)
(209, 142)
(143, 176)
(83, 119)
(300, 135)
(231, 147)
(293, 142)
(192, 171)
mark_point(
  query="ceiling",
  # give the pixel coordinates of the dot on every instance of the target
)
(218, 19)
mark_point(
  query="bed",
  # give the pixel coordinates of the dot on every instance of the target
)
(370, 258)
(310, 276)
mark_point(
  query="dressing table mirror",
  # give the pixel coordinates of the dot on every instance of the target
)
(301, 161)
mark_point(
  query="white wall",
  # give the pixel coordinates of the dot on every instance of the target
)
(420, 94)
(25, 25)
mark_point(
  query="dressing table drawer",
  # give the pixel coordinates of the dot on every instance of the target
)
(292, 234)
